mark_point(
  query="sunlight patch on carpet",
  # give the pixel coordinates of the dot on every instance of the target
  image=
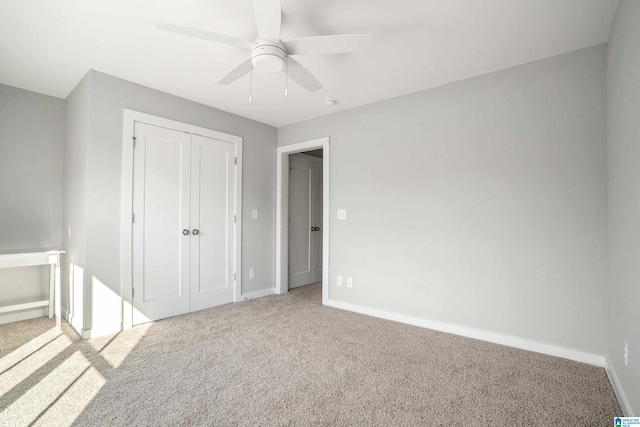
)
(27, 349)
(121, 345)
(71, 404)
(36, 400)
(25, 368)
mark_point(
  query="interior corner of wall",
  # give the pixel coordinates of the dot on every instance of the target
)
(617, 388)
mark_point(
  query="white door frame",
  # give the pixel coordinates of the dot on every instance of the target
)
(126, 208)
(282, 212)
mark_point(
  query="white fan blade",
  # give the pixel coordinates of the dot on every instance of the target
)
(236, 72)
(268, 19)
(302, 76)
(206, 35)
(326, 45)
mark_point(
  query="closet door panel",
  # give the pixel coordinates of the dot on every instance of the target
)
(161, 209)
(212, 215)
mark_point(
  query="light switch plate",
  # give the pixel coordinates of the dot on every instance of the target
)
(342, 214)
(252, 273)
(349, 282)
(254, 214)
(339, 280)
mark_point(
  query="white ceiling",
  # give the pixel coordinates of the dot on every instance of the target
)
(48, 45)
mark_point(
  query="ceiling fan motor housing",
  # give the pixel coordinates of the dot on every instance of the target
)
(268, 56)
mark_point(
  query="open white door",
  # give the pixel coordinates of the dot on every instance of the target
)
(305, 220)
(283, 154)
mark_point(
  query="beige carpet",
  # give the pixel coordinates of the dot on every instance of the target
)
(286, 360)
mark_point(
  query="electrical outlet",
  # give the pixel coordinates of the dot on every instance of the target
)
(342, 214)
(254, 214)
(349, 282)
(626, 353)
(252, 273)
(339, 280)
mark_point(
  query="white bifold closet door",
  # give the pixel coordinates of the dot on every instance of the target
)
(183, 228)
(305, 220)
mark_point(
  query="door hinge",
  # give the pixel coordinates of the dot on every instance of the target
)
(234, 218)
(134, 141)
(235, 161)
(133, 293)
(234, 276)
(133, 217)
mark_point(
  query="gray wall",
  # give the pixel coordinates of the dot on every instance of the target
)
(31, 153)
(108, 96)
(481, 203)
(623, 154)
(77, 108)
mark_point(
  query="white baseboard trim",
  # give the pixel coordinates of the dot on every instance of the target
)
(87, 334)
(479, 334)
(100, 331)
(72, 322)
(27, 314)
(617, 389)
(258, 294)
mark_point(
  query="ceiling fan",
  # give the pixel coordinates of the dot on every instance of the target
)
(271, 54)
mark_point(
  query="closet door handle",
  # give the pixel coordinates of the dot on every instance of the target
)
(185, 232)
(195, 232)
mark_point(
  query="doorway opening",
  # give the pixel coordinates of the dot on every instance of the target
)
(302, 216)
(305, 218)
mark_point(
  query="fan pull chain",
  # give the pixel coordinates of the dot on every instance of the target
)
(286, 82)
(251, 85)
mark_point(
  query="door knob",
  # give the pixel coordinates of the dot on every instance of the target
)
(185, 232)
(195, 232)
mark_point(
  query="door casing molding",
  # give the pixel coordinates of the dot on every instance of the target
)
(282, 209)
(126, 207)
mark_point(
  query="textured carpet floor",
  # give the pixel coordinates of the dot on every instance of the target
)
(286, 360)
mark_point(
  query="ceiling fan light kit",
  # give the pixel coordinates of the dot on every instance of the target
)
(274, 56)
(268, 56)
